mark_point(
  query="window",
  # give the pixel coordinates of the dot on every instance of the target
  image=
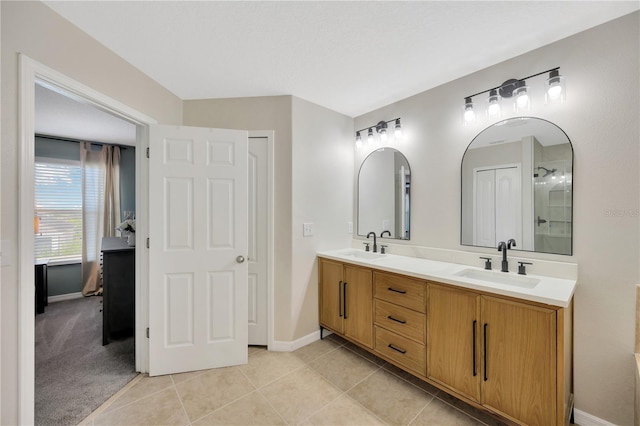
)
(58, 210)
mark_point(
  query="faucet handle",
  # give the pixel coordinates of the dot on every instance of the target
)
(487, 264)
(382, 248)
(366, 246)
(522, 269)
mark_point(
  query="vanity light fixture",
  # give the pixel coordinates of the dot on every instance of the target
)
(382, 130)
(519, 92)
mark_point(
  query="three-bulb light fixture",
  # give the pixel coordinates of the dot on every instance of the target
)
(381, 130)
(519, 91)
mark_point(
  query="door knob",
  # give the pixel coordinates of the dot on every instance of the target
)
(240, 259)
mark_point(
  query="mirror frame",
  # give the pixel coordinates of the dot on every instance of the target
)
(570, 253)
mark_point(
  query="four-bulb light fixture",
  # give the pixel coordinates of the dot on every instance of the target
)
(519, 91)
(381, 130)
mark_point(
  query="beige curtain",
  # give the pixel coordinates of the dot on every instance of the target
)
(100, 208)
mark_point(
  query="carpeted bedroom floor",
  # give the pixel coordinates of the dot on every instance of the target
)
(74, 373)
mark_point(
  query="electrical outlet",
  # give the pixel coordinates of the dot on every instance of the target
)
(350, 227)
(307, 229)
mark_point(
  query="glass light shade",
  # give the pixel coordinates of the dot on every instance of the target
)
(468, 114)
(556, 91)
(383, 135)
(521, 94)
(358, 143)
(493, 109)
(370, 136)
(398, 129)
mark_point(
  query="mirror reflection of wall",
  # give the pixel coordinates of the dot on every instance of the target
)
(384, 184)
(517, 183)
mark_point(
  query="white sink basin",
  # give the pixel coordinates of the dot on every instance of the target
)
(499, 278)
(361, 254)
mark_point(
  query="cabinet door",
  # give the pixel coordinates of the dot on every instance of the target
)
(331, 304)
(453, 352)
(358, 310)
(519, 377)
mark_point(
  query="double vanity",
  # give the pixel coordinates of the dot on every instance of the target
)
(498, 341)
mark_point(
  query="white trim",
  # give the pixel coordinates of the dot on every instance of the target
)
(62, 297)
(585, 419)
(269, 134)
(282, 346)
(30, 73)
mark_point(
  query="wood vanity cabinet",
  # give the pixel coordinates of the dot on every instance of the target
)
(346, 296)
(509, 356)
(498, 352)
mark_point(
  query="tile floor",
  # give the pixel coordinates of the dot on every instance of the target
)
(329, 382)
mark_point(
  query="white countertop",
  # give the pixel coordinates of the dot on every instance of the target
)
(548, 290)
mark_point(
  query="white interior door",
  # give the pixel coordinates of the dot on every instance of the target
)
(198, 243)
(258, 178)
(484, 208)
(508, 205)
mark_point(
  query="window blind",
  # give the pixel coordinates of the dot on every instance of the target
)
(58, 210)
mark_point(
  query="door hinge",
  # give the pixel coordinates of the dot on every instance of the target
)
(147, 152)
(147, 332)
(147, 243)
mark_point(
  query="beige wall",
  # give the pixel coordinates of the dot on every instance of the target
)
(322, 194)
(33, 29)
(601, 117)
(262, 113)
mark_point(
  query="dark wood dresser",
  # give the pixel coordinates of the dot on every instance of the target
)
(118, 282)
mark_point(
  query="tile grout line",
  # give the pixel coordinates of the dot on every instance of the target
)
(421, 410)
(139, 399)
(184, 410)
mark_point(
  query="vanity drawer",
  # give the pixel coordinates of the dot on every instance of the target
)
(402, 291)
(404, 351)
(401, 320)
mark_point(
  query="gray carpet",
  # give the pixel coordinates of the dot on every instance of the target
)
(75, 374)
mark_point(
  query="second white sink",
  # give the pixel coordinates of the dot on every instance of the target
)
(499, 278)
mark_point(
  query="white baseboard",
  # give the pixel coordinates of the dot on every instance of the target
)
(61, 297)
(585, 419)
(284, 346)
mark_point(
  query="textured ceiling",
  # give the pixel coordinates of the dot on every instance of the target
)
(351, 57)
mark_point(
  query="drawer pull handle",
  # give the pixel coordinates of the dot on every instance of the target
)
(397, 291)
(402, 351)
(485, 353)
(396, 320)
(473, 346)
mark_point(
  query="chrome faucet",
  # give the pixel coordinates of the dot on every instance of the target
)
(375, 245)
(502, 246)
(383, 232)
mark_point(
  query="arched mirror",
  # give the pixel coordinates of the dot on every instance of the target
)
(517, 182)
(384, 184)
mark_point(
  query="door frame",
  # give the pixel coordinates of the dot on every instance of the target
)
(30, 73)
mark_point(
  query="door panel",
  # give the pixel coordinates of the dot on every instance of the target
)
(520, 360)
(258, 259)
(198, 227)
(331, 281)
(453, 353)
(358, 305)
